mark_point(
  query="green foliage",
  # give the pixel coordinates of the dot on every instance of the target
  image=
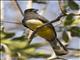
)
(65, 36)
(69, 20)
(76, 22)
(40, 1)
(18, 47)
(73, 5)
(75, 31)
(5, 35)
(71, 24)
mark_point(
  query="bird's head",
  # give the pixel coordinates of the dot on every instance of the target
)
(30, 10)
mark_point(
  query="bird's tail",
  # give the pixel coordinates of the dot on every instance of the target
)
(58, 47)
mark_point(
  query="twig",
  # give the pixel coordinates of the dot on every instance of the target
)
(10, 22)
(57, 19)
(61, 5)
(63, 10)
(28, 6)
(19, 7)
(74, 14)
(20, 11)
(62, 45)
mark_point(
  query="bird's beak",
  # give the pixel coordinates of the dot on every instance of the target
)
(36, 10)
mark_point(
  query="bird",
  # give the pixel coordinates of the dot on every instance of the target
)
(32, 20)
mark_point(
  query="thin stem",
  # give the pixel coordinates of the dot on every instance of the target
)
(62, 45)
(57, 19)
(61, 5)
(9, 22)
(74, 14)
(19, 7)
(63, 10)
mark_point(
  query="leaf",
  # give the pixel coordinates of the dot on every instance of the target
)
(73, 5)
(65, 36)
(65, 4)
(40, 1)
(5, 35)
(75, 31)
(76, 22)
(2, 35)
(19, 45)
(37, 45)
(22, 38)
(69, 20)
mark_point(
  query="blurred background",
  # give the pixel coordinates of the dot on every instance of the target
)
(14, 36)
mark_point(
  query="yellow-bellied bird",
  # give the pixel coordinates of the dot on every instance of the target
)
(33, 20)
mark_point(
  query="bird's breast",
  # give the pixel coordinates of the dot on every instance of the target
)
(33, 23)
(45, 32)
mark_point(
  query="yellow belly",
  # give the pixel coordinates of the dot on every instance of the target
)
(46, 32)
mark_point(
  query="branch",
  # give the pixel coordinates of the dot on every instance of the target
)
(28, 6)
(63, 10)
(57, 19)
(9, 22)
(61, 5)
(19, 7)
(74, 14)
(20, 11)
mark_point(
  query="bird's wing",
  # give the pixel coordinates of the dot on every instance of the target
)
(44, 20)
